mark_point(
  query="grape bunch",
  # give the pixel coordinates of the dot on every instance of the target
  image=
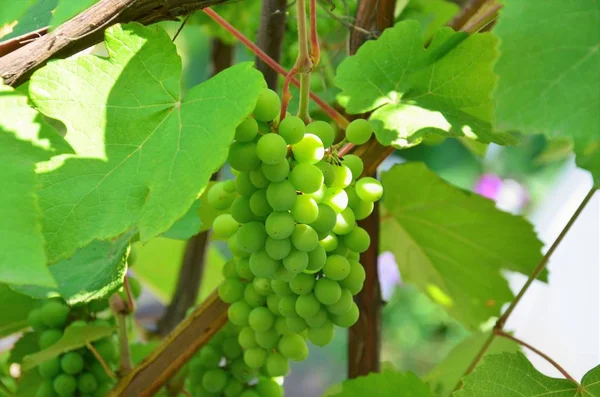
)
(292, 227)
(77, 372)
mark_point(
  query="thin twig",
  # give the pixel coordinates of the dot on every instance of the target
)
(180, 28)
(130, 298)
(107, 369)
(286, 95)
(482, 20)
(343, 21)
(121, 309)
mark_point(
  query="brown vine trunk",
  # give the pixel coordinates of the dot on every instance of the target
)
(270, 37)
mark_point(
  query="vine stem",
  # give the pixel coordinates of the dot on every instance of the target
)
(539, 353)
(105, 366)
(121, 309)
(303, 64)
(334, 114)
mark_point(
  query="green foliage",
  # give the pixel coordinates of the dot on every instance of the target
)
(504, 375)
(431, 14)
(29, 14)
(385, 384)
(66, 10)
(27, 344)
(14, 308)
(245, 19)
(133, 133)
(443, 242)
(188, 225)
(444, 89)
(549, 73)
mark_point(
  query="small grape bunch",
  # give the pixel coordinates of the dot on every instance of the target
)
(77, 372)
(292, 227)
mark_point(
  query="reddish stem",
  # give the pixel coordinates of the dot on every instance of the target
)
(286, 95)
(130, 298)
(334, 114)
(346, 149)
(315, 49)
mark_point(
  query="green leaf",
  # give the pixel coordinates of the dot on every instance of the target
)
(140, 350)
(13, 10)
(188, 226)
(36, 16)
(14, 308)
(94, 272)
(73, 338)
(245, 19)
(144, 150)
(67, 9)
(549, 73)
(386, 384)
(446, 375)
(431, 14)
(27, 344)
(505, 375)
(29, 384)
(453, 244)
(445, 88)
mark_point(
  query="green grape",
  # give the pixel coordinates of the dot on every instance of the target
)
(344, 222)
(305, 210)
(325, 220)
(252, 297)
(268, 105)
(355, 280)
(87, 383)
(262, 286)
(336, 267)
(240, 210)
(277, 365)
(241, 371)
(242, 268)
(281, 326)
(273, 303)
(280, 225)
(271, 148)
(329, 243)
(255, 357)
(281, 288)
(328, 172)
(336, 198)
(214, 380)
(243, 184)
(307, 305)
(219, 198)
(309, 150)
(342, 178)
(231, 290)
(328, 291)
(224, 226)
(261, 319)
(355, 164)
(72, 363)
(264, 128)
(107, 349)
(319, 195)
(49, 369)
(242, 156)
(318, 320)
(65, 385)
(250, 393)
(247, 338)
(259, 205)
(34, 319)
(103, 389)
(283, 274)
(251, 237)
(321, 336)
(347, 319)
(209, 356)
(363, 209)
(357, 240)
(99, 372)
(316, 259)
(229, 185)
(55, 314)
(238, 313)
(247, 130)
(369, 189)
(231, 348)
(291, 128)
(304, 238)
(276, 172)
(262, 265)
(306, 178)
(269, 388)
(323, 130)
(45, 390)
(296, 324)
(233, 388)
(229, 270)
(281, 195)
(268, 339)
(287, 305)
(293, 347)
(258, 178)
(353, 256)
(302, 284)
(232, 244)
(296, 261)
(49, 337)
(81, 323)
(278, 249)
(358, 131)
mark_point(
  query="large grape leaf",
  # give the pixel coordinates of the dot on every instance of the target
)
(413, 91)
(453, 244)
(444, 377)
(145, 151)
(94, 272)
(14, 308)
(507, 375)
(549, 73)
(385, 384)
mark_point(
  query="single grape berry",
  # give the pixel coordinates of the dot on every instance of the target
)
(65, 385)
(369, 189)
(247, 130)
(355, 164)
(323, 130)
(214, 380)
(49, 337)
(307, 178)
(243, 157)
(55, 314)
(309, 150)
(34, 319)
(293, 347)
(49, 369)
(271, 148)
(268, 105)
(358, 131)
(87, 383)
(72, 363)
(292, 129)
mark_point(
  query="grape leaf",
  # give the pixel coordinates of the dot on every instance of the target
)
(504, 375)
(27, 344)
(245, 19)
(144, 150)
(453, 244)
(68, 9)
(549, 73)
(387, 384)
(445, 88)
(14, 308)
(29, 384)
(13, 10)
(446, 374)
(73, 338)
(431, 14)
(37, 15)
(188, 225)
(94, 272)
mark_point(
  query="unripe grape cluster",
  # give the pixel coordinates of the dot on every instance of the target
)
(292, 227)
(77, 372)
